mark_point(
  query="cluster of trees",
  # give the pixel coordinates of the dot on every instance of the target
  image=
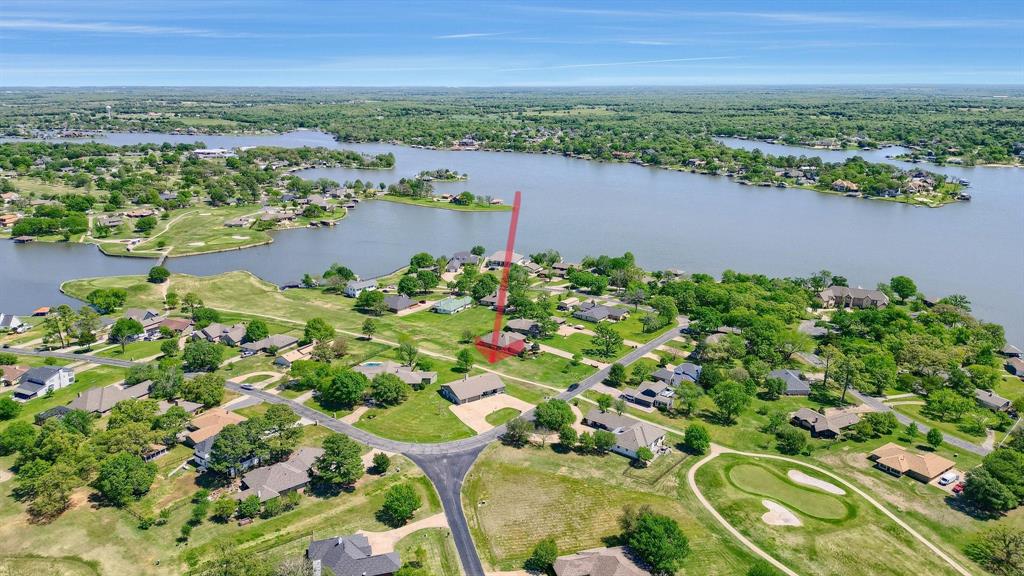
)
(270, 437)
(997, 486)
(64, 326)
(51, 219)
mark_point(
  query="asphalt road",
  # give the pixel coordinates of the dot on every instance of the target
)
(879, 406)
(446, 464)
(73, 357)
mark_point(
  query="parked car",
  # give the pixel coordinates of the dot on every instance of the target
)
(958, 488)
(948, 478)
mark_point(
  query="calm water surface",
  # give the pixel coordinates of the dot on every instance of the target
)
(667, 219)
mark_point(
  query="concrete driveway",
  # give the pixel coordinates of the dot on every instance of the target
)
(474, 414)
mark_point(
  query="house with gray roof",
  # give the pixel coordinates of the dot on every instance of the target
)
(274, 342)
(822, 426)
(398, 302)
(43, 380)
(650, 395)
(269, 482)
(415, 378)
(685, 372)
(630, 434)
(460, 259)
(1011, 351)
(599, 562)
(217, 332)
(11, 323)
(524, 326)
(350, 556)
(991, 400)
(356, 287)
(497, 260)
(102, 400)
(846, 297)
(472, 388)
(795, 383)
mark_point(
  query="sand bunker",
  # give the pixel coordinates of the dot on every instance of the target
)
(240, 237)
(197, 243)
(801, 478)
(778, 515)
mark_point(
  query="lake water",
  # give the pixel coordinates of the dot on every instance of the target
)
(667, 219)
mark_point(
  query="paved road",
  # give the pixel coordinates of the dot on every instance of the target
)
(446, 464)
(879, 406)
(73, 357)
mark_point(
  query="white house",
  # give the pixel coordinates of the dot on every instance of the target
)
(11, 323)
(355, 287)
(43, 380)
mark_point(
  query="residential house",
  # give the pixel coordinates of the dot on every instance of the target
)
(796, 385)
(149, 318)
(273, 342)
(9, 375)
(472, 388)
(398, 302)
(112, 221)
(209, 424)
(490, 301)
(453, 305)
(350, 556)
(845, 186)
(845, 297)
(650, 395)
(43, 380)
(163, 406)
(685, 372)
(154, 451)
(1011, 351)
(460, 259)
(509, 342)
(102, 400)
(568, 303)
(177, 325)
(563, 268)
(269, 482)
(810, 359)
(203, 450)
(288, 358)
(991, 400)
(822, 426)
(598, 562)
(524, 326)
(240, 222)
(217, 332)
(210, 153)
(1015, 366)
(407, 374)
(898, 461)
(58, 412)
(11, 323)
(498, 260)
(532, 267)
(355, 287)
(630, 434)
(8, 220)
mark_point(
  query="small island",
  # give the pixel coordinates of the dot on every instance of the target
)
(420, 192)
(443, 175)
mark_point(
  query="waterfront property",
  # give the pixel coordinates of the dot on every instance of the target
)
(630, 434)
(350, 556)
(498, 259)
(898, 461)
(845, 297)
(472, 388)
(356, 287)
(11, 323)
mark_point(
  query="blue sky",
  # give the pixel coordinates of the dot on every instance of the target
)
(368, 43)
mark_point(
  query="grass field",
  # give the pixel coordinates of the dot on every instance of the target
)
(40, 566)
(839, 535)
(91, 378)
(194, 231)
(439, 549)
(134, 350)
(581, 344)
(501, 416)
(917, 412)
(577, 500)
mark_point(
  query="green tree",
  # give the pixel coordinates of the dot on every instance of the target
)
(389, 390)
(464, 360)
(517, 432)
(256, 330)
(345, 389)
(999, 549)
(986, 492)
(224, 508)
(9, 409)
(731, 398)
(317, 329)
(369, 328)
(341, 464)
(696, 439)
(124, 331)
(201, 356)
(554, 414)
(543, 557)
(616, 374)
(934, 437)
(604, 402)
(911, 431)
(603, 441)
(408, 351)
(567, 437)
(17, 437)
(249, 508)
(400, 503)
(903, 286)
(381, 462)
(774, 388)
(371, 302)
(158, 275)
(206, 389)
(644, 455)
(790, 440)
(606, 341)
(124, 477)
(408, 285)
(656, 539)
(169, 347)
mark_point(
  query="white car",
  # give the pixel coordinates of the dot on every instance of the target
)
(246, 386)
(948, 478)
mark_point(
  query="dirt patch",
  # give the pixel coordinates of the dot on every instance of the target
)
(197, 243)
(778, 515)
(6, 475)
(801, 478)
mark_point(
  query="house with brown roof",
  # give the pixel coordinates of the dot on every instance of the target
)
(599, 562)
(209, 424)
(9, 375)
(822, 426)
(472, 388)
(301, 353)
(269, 482)
(898, 461)
(846, 297)
(1015, 366)
(217, 332)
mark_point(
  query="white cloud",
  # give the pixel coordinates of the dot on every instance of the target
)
(112, 28)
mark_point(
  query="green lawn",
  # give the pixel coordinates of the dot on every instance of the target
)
(195, 230)
(41, 566)
(836, 531)
(581, 344)
(91, 378)
(916, 412)
(441, 558)
(134, 350)
(501, 416)
(428, 203)
(577, 500)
